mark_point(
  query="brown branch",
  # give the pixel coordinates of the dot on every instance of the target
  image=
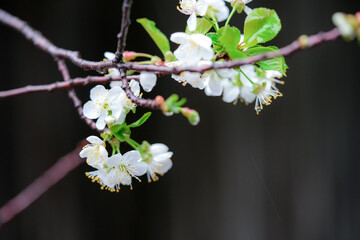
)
(76, 82)
(72, 94)
(295, 46)
(44, 44)
(150, 103)
(122, 36)
(38, 187)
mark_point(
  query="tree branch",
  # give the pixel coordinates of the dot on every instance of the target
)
(72, 94)
(295, 46)
(122, 36)
(38, 187)
(75, 82)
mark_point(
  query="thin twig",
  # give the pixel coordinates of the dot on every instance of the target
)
(76, 82)
(72, 94)
(150, 103)
(122, 36)
(40, 185)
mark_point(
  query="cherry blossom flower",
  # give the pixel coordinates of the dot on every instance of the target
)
(95, 153)
(192, 8)
(104, 103)
(214, 80)
(158, 161)
(216, 9)
(193, 48)
(119, 169)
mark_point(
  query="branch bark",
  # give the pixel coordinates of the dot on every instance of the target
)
(40, 185)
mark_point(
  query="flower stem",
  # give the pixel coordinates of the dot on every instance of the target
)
(135, 145)
(231, 15)
(212, 23)
(246, 76)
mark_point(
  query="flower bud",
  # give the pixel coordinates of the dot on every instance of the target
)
(128, 56)
(191, 115)
(110, 120)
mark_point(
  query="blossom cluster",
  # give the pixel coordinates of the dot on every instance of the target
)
(202, 44)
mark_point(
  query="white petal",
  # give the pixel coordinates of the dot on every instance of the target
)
(114, 160)
(92, 110)
(138, 168)
(231, 92)
(191, 22)
(124, 178)
(100, 123)
(147, 80)
(222, 14)
(121, 118)
(85, 151)
(166, 165)
(158, 148)
(162, 157)
(109, 55)
(201, 8)
(247, 10)
(201, 40)
(179, 37)
(94, 140)
(98, 92)
(132, 157)
(246, 94)
(135, 87)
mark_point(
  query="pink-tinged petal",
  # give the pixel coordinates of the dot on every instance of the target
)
(158, 148)
(179, 37)
(162, 157)
(165, 166)
(100, 123)
(95, 140)
(98, 92)
(191, 22)
(91, 110)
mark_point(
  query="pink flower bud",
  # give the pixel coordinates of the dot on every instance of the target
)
(128, 56)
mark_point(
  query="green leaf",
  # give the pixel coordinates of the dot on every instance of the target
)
(141, 121)
(229, 38)
(202, 26)
(276, 64)
(215, 41)
(120, 131)
(157, 36)
(261, 25)
(229, 35)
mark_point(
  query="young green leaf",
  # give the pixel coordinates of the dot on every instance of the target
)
(120, 131)
(276, 64)
(261, 25)
(229, 38)
(141, 121)
(202, 26)
(157, 36)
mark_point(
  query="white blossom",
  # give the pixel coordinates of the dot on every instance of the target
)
(95, 152)
(119, 169)
(147, 80)
(158, 161)
(214, 80)
(192, 8)
(261, 88)
(217, 9)
(193, 48)
(104, 103)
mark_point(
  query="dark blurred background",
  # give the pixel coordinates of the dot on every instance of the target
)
(292, 172)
